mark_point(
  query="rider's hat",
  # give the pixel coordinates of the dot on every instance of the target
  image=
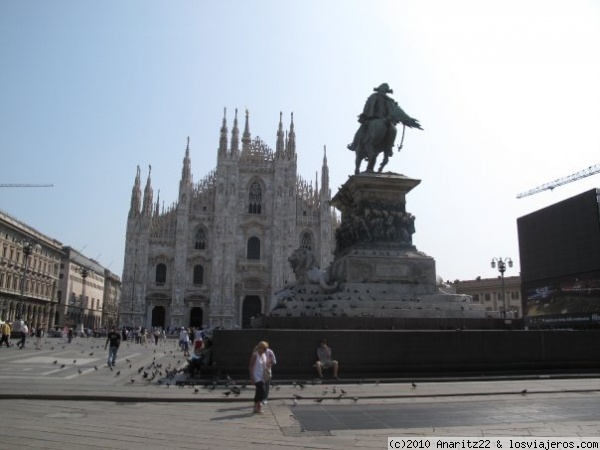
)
(384, 89)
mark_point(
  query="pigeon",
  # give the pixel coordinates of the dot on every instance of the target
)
(196, 390)
(79, 370)
(319, 400)
(414, 385)
(343, 392)
(132, 381)
(62, 366)
(297, 397)
(55, 361)
(95, 367)
(226, 393)
(355, 399)
(74, 361)
(91, 354)
(118, 373)
(524, 391)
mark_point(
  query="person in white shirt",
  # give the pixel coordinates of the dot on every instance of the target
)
(257, 367)
(24, 333)
(184, 341)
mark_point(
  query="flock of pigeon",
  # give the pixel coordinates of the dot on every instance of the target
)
(166, 374)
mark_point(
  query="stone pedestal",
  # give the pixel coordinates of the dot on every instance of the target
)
(374, 241)
(377, 271)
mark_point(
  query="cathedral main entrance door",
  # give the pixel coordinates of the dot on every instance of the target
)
(251, 307)
(158, 316)
(196, 315)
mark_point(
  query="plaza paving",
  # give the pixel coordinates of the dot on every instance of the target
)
(64, 396)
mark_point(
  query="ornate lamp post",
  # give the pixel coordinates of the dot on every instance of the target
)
(28, 247)
(502, 268)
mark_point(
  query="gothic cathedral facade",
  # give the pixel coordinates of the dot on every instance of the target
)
(217, 255)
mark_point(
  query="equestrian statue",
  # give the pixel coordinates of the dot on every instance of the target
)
(377, 131)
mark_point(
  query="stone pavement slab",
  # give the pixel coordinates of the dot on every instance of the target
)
(45, 406)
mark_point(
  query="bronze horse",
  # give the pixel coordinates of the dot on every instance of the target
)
(379, 136)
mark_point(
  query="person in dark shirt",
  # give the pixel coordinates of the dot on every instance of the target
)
(113, 340)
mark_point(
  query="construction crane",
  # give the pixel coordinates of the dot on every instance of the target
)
(14, 185)
(573, 177)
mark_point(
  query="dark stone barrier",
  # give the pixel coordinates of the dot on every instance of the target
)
(384, 323)
(400, 353)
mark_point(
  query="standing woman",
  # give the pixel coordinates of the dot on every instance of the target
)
(258, 366)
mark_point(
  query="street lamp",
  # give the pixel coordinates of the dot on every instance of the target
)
(502, 268)
(28, 247)
(84, 272)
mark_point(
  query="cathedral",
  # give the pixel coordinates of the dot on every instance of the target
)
(216, 256)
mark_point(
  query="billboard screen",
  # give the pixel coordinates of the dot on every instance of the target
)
(564, 299)
(562, 240)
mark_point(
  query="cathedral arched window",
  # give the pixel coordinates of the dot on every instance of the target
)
(200, 241)
(253, 248)
(198, 274)
(161, 273)
(255, 198)
(306, 241)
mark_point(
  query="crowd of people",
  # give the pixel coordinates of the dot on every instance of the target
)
(20, 331)
(262, 360)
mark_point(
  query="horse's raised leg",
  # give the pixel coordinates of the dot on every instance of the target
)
(383, 163)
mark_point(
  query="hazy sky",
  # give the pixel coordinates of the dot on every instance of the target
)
(508, 93)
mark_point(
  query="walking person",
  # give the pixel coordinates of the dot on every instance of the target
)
(39, 334)
(113, 340)
(24, 333)
(6, 330)
(257, 367)
(184, 341)
(271, 361)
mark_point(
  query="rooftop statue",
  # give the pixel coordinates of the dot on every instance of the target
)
(377, 131)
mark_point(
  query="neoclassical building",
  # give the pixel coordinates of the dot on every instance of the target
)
(81, 291)
(29, 273)
(45, 283)
(215, 257)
